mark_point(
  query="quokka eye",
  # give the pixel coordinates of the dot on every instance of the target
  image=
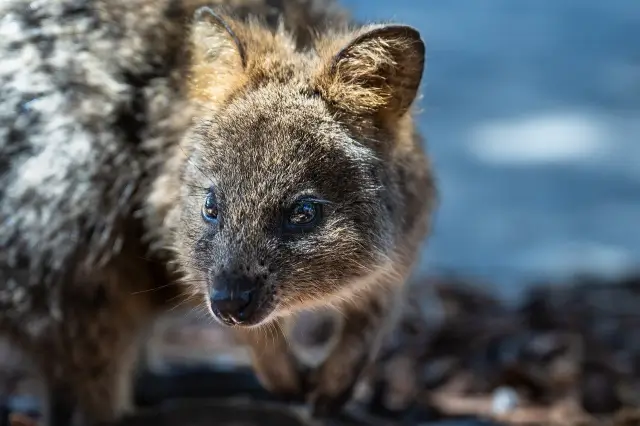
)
(303, 215)
(210, 208)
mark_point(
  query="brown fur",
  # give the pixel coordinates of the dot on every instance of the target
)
(313, 104)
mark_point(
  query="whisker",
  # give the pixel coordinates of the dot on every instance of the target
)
(153, 289)
(196, 166)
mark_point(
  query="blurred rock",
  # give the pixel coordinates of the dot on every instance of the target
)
(575, 344)
(505, 399)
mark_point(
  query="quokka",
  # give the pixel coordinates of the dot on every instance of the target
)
(257, 158)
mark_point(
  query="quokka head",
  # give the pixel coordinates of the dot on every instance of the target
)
(288, 195)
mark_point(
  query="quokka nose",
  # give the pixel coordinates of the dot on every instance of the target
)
(233, 305)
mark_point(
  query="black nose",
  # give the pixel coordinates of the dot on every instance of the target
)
(234, 301)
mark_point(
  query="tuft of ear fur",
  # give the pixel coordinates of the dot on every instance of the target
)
(218, 57)
(378, 71)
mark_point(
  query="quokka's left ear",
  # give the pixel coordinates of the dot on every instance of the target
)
(379, 70)
(218, 55)
(213, 37)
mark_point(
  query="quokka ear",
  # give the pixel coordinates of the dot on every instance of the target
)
(377, 71)
(218, 56)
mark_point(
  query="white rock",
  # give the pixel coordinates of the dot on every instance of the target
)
(505, 399)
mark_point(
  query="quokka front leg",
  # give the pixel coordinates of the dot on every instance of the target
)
(273, 362)
(365, 326)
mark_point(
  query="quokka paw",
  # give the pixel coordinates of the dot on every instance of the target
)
(333, 384)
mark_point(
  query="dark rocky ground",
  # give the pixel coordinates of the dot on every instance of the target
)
(567, 355)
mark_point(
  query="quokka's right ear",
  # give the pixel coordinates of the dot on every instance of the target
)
(218, 55)
(377, 71)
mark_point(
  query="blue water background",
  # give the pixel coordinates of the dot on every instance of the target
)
(532, 114)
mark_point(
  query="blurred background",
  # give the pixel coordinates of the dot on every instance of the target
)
(532, 114)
